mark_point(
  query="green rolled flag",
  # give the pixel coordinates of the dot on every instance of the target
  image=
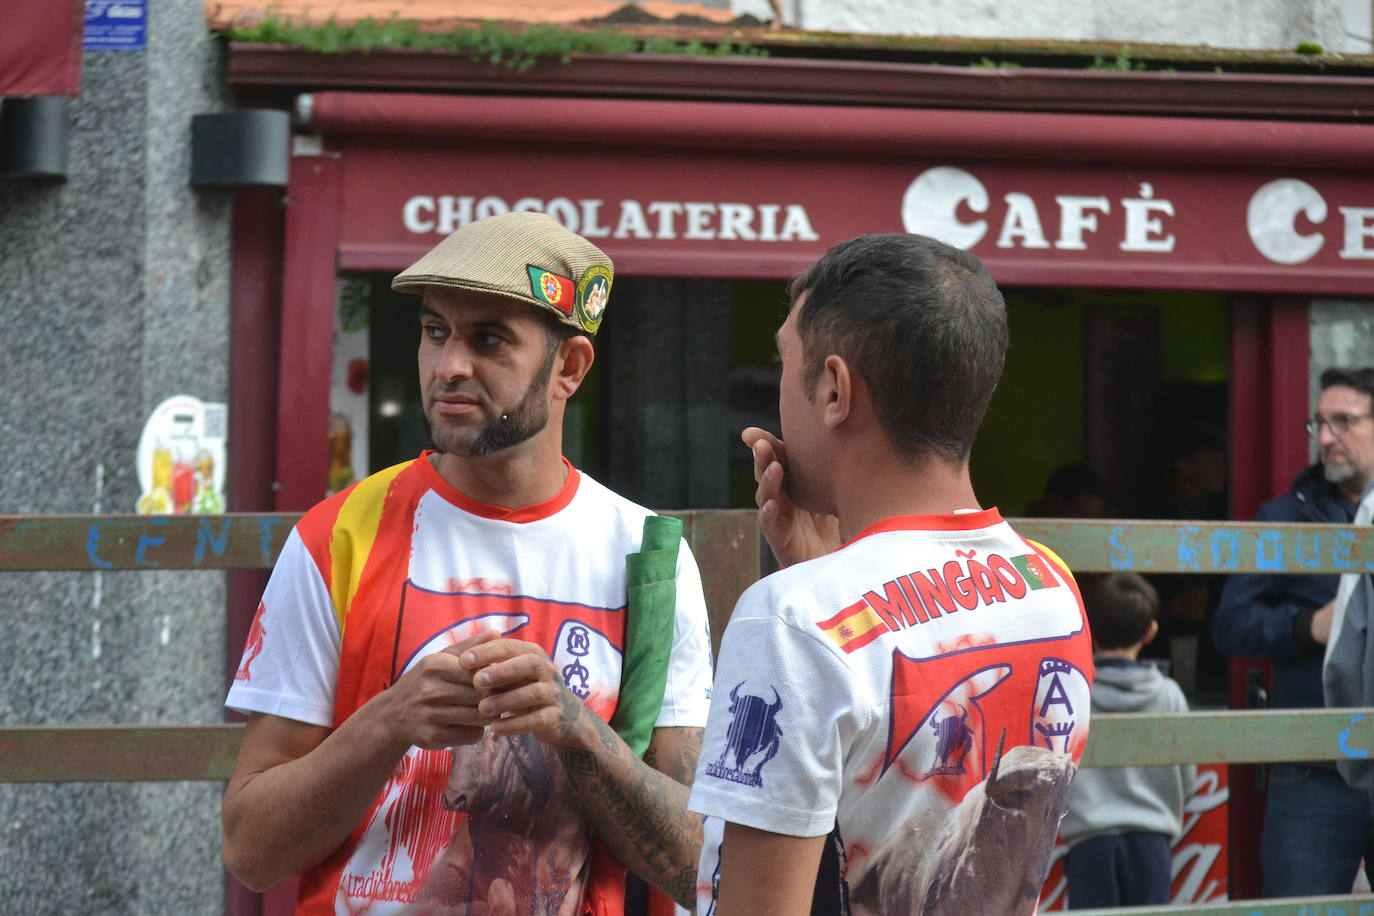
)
(651, 612)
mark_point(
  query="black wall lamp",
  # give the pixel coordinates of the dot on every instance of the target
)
(33, 137)
(240, 149)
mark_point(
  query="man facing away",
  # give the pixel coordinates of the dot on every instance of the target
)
(897, 713)
(440, 646)
(1316, 828)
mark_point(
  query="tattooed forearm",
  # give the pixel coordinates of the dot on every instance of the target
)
(640, 812)
(580, 762)
(682, 766)
(656, 829)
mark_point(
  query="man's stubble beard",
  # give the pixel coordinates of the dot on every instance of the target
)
(522, 422)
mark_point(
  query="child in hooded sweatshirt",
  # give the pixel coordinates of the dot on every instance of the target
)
(1122, 821)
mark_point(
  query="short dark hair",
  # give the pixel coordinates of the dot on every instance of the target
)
(558, 332)
(1359, 379)
(1121, 606)
(924, 325)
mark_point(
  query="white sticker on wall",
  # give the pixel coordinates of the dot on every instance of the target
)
(181, 457)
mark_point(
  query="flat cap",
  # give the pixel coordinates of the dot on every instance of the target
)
(524, 256)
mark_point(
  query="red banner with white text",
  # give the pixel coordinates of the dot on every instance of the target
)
(1199, 854)
(684, 189)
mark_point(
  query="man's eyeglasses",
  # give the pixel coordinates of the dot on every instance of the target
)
(1339, 423)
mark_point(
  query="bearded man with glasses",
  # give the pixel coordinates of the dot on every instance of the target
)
(1316, 828)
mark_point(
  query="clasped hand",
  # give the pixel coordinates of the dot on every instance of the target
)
(510, 686)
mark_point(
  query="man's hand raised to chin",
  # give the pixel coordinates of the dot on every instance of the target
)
(794, 534)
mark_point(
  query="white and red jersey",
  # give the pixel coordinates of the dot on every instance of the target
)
(401, 565)
(865, 695)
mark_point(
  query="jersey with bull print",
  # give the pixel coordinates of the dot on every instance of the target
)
(401, 565)
(920, 698)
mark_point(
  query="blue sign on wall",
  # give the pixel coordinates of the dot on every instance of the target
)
(116, 25)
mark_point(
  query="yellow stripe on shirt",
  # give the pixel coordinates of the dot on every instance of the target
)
(355, 531)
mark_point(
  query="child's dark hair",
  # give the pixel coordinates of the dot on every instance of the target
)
(1121, 606)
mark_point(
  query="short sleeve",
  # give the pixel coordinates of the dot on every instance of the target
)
(290, 663)
(783, 714)
(687, 693)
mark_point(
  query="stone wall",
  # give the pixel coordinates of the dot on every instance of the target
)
(115, 295)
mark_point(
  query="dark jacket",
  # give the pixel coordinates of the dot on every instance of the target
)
(1270, 616)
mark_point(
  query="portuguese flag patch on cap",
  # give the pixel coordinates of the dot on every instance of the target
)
(552, 289)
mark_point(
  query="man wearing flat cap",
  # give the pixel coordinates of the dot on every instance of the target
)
(466, 660)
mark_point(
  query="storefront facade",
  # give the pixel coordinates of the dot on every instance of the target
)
(1229, 219)
(1270, 214)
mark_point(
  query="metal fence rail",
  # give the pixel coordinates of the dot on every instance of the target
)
(118, 753)
(1241, 736)
(726, 544)
(240, 541)
(155, 753)
(1340, 905)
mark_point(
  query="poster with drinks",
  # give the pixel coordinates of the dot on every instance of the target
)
(1200, 854)
(181, 458)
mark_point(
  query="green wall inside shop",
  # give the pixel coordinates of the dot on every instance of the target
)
(1035, 422)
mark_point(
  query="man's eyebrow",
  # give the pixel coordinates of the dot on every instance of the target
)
(493, 324)
(489, 324)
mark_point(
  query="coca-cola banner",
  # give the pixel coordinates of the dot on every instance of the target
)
(1199, 854)
(767, 209)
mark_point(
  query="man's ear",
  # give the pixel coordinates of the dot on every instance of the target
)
(1150, 633)
(835, 391)
(570, 366)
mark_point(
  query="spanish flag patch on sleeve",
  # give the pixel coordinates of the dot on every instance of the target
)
(854, 627)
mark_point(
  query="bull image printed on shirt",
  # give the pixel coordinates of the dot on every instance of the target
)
(993, 803)
(491, 827)
(987, 725)
(752, 739)
(931, 692)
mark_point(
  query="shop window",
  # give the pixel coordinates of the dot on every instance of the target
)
(1126, 392)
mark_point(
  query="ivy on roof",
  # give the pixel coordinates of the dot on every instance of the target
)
(494, 44)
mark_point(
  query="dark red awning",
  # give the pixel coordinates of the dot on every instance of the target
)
(40, 47)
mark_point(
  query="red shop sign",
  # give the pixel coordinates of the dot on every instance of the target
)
(731, 196)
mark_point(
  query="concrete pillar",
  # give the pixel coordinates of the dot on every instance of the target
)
(115, 297)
